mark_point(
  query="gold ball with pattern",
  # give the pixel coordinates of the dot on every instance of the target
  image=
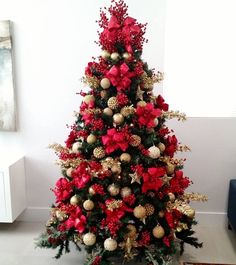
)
(135, 140)
(127, 110)
(158, 231)
(88, 205)
(115, 56)
(88, 99)
(149, 209)
(110, 244)
(113, 189)
(91, 139)
(108, 112)
(99, 152)
(125, 192)
(75, 200)
(89, 239)
(125, 158)
(118, 118)
(105, 83)
(112, 103)
(105, 54)
(139, 212)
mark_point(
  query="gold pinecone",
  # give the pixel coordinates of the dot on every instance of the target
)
(113, 103)
(127, 110)
(135, 140)
(149, 209)
(99, 152)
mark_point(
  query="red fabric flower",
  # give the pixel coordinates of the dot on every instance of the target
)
(147, 114)
(151, 179)
(62, 190)
(97, 261)
(71, 139)
(81, 175)
(161, 103)
(98, 189)
(171, 145)
(166, 241)
(76, 220)
(122, 99)
(179, 183)
(130, 200)
(145, 239)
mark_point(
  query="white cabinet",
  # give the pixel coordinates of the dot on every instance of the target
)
(12, 188)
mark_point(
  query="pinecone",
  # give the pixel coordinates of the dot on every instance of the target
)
(149, 209)
(99, 152)
(113, 103)
(135, 140)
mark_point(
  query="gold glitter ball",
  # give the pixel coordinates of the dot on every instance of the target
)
(112, 103)
(99, 152)
(127, 110)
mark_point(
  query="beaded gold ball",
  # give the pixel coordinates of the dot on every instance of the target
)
(112, 103)
(149, 209)
(99, 152)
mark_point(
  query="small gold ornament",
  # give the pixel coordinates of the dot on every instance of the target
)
(89, 98)
(149, 209)
(128, 244)
(103, 94)
(132, 231)
(127, 110)
(126, 55)
(99, 152)
(135, 178)
(69, 171)
(76, 146)
(190, 213)
(139, 93)
(75, 200)
(115, 56)
(156, 121)
(139, 212)
(170, 168)
(105, 83)
(51, 221)
(161, 214)
(110, 244)
(88, 205)
(108, 112)
(91, 191)
(142, 103)
(112, 103)
(135, 140)
(162, 147)
(105, 54)
(118, 118)
(125, 192)
(91, 139)
(61, 215)
(125, 157)
(89, 239)
(116, 169)
(154, 152)
(158, 231)
(171, 196)
(113, 189)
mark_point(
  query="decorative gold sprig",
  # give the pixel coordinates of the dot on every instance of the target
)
(177, 162)
(174, 114)
(115, 204)
(183, 148)
(58, 148)
(68, 163)
(158, 77)
(194, 197)
(90, 81)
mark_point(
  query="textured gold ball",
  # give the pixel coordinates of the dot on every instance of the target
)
(126, 55)
(113, 103)
(116, 169)
(162, 147)
(171, 196)
(113, 189)
(161, 214)
(108, 112)
(91, 139)
(103, 94)
(154, 152)
(75, 200)
(105, 83)
(127, 110)
(61, 216)
(89, 98)
(125, 192)
(69, 171)
(91, 191)
(139, 212)
(110, 244)
(89, 239)
(115, 56)
(99, 152)
(118, 118)
(158, 231)
(105, 54)
(88, 205)
(170, 168)
(142, 103)
(132, 230)
(135, 140)
(76, 146)
(125, 157)
(149, 209)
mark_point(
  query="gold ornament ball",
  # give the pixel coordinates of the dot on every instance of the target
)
(105, 54)
(190, 213)
(76, 146)
(170, 168)
(135, 140)
(116, 169)
(91, 139)
(139, 212)
(149, 209)
(91, 191)
(118, 118)
(171, 196)
(105, 83)
(115, 56)
(103, 94)
(113, 103)
(75, 200)
(156, 121)
(89, 98)
(161, 214)
(126, 55)
(154, 152)
(69, 171)
(158, 231)
(99, 152)
(88, 205)
(108, 112)
(127, 110)
(125, 192)
(125, 157)
(132, 230)
(142, 103)
(89, 239)
(113, 189)
(60, 215)
(110, 244)
(162, 147)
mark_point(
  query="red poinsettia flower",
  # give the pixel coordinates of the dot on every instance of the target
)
(62, 190)
(151, 179)
(76, 220)
(146, 115)
(161, 103)
(81, 176)
(171, 145)
(179, 182)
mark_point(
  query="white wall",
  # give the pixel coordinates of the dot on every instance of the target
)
(53, 42)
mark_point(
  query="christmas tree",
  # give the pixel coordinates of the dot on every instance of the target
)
(122, 193)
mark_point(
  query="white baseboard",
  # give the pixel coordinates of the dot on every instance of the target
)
(41, 214)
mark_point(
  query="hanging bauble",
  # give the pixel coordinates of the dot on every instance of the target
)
(116, 169)
(108, 112)
(103, 94)
(126, 55)
(118, 118)
(171, 196)
(132, 230)
(75, 200)
(158, 231)
(142, 103)
(105, 54)
(149, 209)
(125, 158)
(91, 139)
(154, 152)
(89, 239)
(127, 110)
(162, 147)
(161, 214)
(88, 205)
(125, 192)
(88, 99)
(112, 103)
(99, 152)
(135, 140)
(69, 171)
(139, 212)
(170, 168)
(156, 121)
(113, 189)
(91, 191)
(110, 244)
(76, 146)
(105, 83)
(115, 56)
(190, 213)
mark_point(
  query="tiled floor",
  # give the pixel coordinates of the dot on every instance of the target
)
(17, 247)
